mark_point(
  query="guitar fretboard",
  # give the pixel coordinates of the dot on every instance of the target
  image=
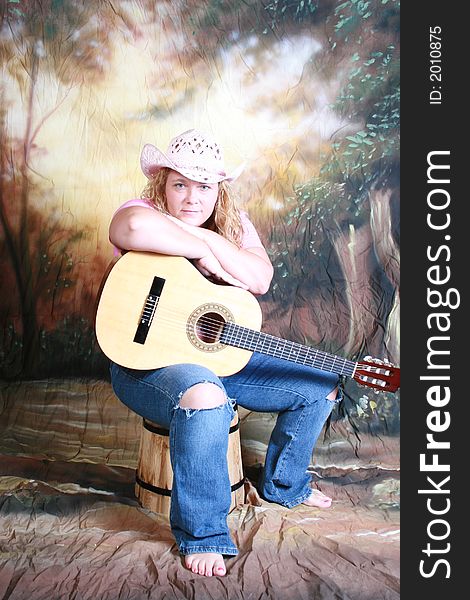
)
(257, 341)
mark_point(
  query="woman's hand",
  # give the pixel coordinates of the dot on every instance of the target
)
(249, 268)
(209, 266)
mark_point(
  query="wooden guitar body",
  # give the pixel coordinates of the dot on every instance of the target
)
(185, 300)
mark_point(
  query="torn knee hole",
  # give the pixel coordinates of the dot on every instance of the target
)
(203, 396)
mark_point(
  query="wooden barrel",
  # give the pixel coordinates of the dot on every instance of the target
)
(154, 475)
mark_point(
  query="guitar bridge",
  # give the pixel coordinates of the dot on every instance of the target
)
(149, 309)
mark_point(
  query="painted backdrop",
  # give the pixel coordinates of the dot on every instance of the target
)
(305, 93)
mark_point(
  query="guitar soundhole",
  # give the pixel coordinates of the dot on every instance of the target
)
(205, 326)
(209, 328)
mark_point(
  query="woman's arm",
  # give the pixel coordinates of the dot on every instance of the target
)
(139, 228)
(249, 265)
(144, 229)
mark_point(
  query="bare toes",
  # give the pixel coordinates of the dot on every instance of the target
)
(318, 499)
(207, 564)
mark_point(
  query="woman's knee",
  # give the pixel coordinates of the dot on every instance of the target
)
(203, 395)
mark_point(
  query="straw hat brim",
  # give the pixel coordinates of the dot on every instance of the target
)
(152, 160)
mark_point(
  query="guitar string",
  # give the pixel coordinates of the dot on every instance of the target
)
(207, 325)
(302, 350)
(210, 326)
(213, 326)
(329, 362)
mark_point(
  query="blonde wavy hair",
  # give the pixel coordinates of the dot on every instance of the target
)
(225, 218)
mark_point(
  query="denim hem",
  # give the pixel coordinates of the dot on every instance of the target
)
(298, 501)
(292, 503)
(231, 551)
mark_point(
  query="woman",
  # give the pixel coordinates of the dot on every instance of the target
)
(188, 209)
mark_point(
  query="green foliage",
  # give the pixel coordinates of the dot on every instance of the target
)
(363, 155)
(56, 261)
(369, 102)
(15, 11)
(283, 10)
(352, 15)
(371, 94)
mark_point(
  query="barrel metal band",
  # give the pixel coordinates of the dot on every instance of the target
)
(149, 426)
(165, 492)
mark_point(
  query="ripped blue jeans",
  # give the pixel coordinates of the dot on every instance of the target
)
(200, 498)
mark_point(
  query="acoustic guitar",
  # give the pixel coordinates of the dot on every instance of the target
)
(157, 310)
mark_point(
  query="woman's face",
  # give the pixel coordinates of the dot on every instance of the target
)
(190, 201)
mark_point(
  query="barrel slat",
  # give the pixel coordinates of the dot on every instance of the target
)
(154, 475)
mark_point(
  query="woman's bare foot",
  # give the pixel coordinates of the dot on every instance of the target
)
(205, 563)
(318, 499)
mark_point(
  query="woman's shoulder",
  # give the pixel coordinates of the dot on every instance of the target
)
(250, 237)
(144, 202)
(245, 219)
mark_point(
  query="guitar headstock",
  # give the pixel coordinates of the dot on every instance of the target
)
(378, 374)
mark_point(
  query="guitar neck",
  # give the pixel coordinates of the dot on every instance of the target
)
(257, 341)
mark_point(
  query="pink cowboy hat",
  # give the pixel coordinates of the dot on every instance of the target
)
(193, 153)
